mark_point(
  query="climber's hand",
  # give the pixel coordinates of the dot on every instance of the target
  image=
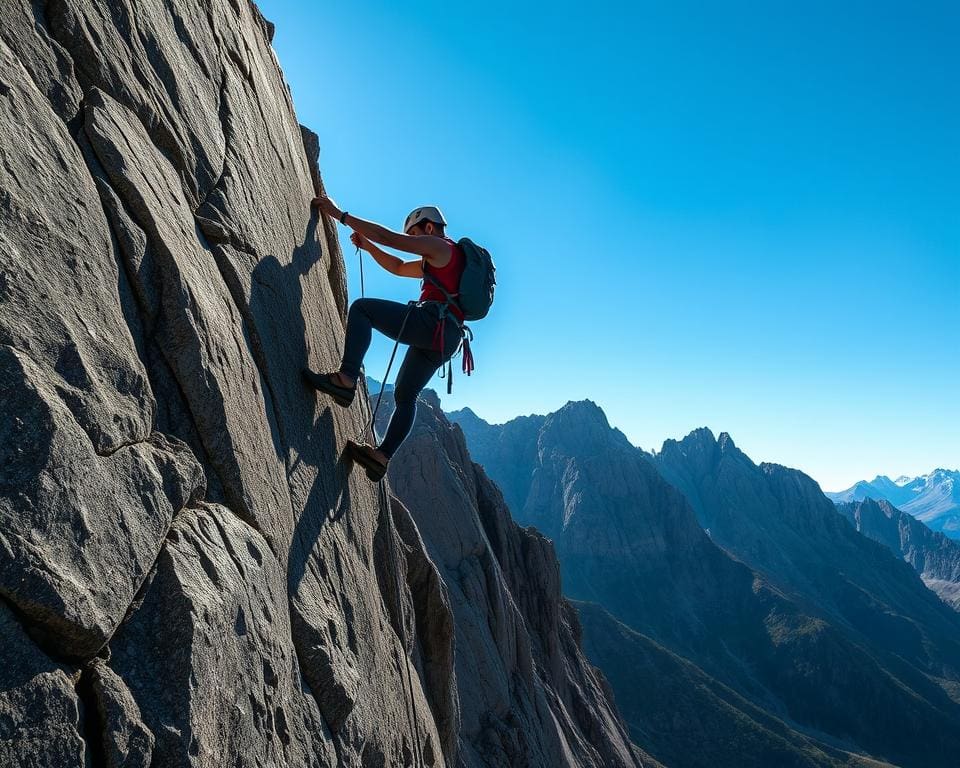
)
(326, 205)
(360, 241)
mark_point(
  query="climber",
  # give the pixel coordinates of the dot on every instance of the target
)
(431, 326)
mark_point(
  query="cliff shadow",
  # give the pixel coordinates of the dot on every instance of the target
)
(307, 434)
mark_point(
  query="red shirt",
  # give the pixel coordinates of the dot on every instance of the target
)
(448, 277)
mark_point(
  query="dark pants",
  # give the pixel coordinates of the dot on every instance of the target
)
(421, 361)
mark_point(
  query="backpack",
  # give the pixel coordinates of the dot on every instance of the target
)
(478, 281)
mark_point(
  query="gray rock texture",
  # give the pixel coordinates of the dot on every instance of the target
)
(127, 741)
(40, 722)
(190, 574)
(528, 695)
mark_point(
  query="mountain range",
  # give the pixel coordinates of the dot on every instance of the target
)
(934, 498)
(745, 576)
(194, 574)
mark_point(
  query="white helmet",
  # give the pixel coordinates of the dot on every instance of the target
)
(424, 213)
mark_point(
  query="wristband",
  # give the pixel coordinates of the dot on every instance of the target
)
(343, 217)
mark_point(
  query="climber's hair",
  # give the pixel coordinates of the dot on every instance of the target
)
(437, 228)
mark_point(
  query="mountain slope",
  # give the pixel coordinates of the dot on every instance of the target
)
(629, 541)
(935, 557)
(777, 521)
(518, 658)
(688, 718)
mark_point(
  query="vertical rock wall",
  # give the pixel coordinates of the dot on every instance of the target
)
(187, 567)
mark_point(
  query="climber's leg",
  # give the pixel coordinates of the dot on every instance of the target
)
(365, 315)
(418, 367)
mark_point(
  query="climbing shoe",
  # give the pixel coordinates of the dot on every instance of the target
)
(364, 456)
(342, 396)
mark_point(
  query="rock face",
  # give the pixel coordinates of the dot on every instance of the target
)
(40, 722)
(864, 659)
(528, 694)
(935, 557)
(189, 572)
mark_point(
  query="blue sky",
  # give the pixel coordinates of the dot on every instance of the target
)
(743, 216)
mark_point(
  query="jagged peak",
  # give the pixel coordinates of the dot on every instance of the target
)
(871, 504)
(701, 442)
(702, 439)
(577, 415)
(580, 427)
(431, 398)
(700, 436)
(584, 407)
(580, 412)
(888, 509)
(773, 468)
(726, 442)
(466, 413)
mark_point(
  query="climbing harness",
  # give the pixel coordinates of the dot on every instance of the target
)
(439, 342)
(466, 335)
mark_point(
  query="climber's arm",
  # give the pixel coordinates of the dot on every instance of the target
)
(411, 269)
(388, 261)
(435, 249)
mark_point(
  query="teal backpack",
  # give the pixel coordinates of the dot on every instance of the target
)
(478, 281)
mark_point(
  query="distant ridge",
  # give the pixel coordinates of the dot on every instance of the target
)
(935, 557)
(784, 604)
(933, 498)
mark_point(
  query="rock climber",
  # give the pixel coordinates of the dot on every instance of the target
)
(430, 326)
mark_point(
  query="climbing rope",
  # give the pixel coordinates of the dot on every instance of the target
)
(409, 705)
(360, 257)
(383, 384)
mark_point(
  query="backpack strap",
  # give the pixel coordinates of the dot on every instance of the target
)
(436, 283)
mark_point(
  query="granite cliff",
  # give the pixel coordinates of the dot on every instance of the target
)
(189, 572)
